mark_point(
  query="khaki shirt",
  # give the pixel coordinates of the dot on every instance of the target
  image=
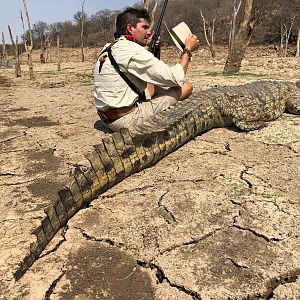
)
(140, 66)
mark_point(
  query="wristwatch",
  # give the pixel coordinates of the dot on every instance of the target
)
(188, 51)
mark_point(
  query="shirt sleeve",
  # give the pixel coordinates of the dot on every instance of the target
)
(150, 69)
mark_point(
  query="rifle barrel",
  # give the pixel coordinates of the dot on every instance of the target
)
(158, 27)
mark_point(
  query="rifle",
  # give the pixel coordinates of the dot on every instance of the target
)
(152, 48)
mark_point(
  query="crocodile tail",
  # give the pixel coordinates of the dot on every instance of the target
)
(110, 162)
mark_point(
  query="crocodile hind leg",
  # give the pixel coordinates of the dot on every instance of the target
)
(250, 125)
(293, 105)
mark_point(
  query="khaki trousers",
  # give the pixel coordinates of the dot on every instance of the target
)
(145, 110)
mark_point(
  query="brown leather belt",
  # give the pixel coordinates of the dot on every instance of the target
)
(114, 113)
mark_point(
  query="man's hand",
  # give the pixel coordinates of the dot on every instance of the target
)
(192, 43)
(157, 43)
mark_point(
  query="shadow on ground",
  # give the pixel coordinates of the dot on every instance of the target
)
(101, 127)
(99, 271)
(4, 81)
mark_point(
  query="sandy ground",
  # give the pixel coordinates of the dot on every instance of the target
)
(216, 219)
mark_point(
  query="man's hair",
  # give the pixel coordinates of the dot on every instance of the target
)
(130, 16)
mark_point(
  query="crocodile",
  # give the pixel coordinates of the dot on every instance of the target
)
(248, 107)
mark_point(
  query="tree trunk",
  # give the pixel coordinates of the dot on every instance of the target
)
(58, 55)
(210, 31)
(18, 63)
(287, 37)
(240, 41)
(153, 14)
(43, 51)
(81, 34)
(298, 45)
(17, 58)
(146, 4)
(49, 52)
(30, 47)
(282, 35)
(48, 42)
(24, 37)
(236, 9)
(4, 52)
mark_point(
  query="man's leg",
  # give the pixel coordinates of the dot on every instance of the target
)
(158, 103)
(145, 110)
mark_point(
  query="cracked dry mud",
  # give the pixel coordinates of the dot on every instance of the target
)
(216, 219)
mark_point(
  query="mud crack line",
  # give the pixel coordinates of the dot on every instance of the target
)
(94, 239)
(243, 172)
(56, 247)
(161, 277)
(260, 235)
(53, 285)
(125, 192)
(237, 264)
(288, 277)
(168, 212)
(274, 283)
(193, 241)
(288, 145)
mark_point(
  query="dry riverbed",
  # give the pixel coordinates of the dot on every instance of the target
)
(216, 219)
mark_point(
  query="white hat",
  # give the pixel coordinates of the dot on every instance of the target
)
(179, 34)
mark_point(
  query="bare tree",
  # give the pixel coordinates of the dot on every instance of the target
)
(217, 13)
(81, 33)
(146, 7)
(105, 22)
(209, 31)
(30, 46)
(4, 52)
(153, 14)
(285, 33)
(236, 8)
(17, 58)
(39, 30)
(146, 4)
(24, 36)
(240, 41)
(58, 55)
(80, 19)
(298, 44)
(287, 37)
(48, 43)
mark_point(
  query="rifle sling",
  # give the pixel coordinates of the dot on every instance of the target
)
(142, 95)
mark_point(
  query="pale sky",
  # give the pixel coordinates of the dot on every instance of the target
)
(50, 11)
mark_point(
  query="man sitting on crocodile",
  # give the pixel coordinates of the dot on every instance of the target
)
(130, 84)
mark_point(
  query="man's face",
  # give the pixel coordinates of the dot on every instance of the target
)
(141, 32)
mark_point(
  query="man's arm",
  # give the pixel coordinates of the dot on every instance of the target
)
(191, 44)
